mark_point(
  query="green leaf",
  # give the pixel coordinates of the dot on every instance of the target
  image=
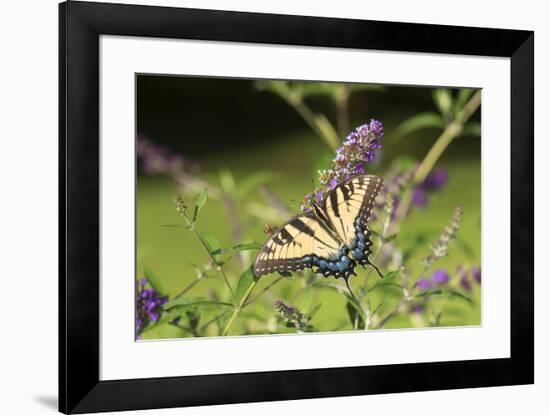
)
(210, 241)
(472, 128)
(390, 275)
(246, 280)
(446, 293)
(222, 251)
(314, 310)
(171, 226)
(443, 100)
(417, 122)
(154, 281)
(385, 284)
(250, 246)
(378, 308)
(201, 201)
(309, 89)
(185, 302)
(252, 182)
(222, 255)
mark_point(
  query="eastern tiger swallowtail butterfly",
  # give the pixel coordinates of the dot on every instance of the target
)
(331, 239)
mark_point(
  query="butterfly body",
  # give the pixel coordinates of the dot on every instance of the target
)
(331, 239)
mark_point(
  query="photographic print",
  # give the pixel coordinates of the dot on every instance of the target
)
(268, 207)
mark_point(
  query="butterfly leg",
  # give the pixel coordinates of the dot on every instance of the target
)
(346, 279)
(376, 269)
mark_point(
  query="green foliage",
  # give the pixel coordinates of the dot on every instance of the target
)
(245, 284)
(201, 201)
(450, 105)
(417, 122)
(186, 302)
(154, 281)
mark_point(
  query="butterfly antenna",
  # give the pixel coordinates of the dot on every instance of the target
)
(376, 269)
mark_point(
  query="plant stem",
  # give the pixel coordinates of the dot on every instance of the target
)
(219, 267)
(341, 100)
(359, 307)
(215, 319)
(318, 123)
(238, 308)
(406, 298)
(453, 130)
(182, 292)
(263, 291)
(391, 315)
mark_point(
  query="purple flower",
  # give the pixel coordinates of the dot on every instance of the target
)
(436, 179)
(157, 159)
(396, 203)
(148, 305)
(332, 183)
(358, 148)
(418, 197)
(319, 196)
(377, 128)
(463, 279)
(440, 277)
(416, 308)
(433, 182)
(359, 169)
(476, 273)
(423, 284)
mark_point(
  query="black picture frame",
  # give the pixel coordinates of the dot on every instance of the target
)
(81, 24)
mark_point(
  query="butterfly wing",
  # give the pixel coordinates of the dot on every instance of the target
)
(303, 242)
(348, 207)
(331, 240)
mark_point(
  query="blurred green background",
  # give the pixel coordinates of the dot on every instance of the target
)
(230, 129)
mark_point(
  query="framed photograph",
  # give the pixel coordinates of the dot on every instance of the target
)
(259, 207)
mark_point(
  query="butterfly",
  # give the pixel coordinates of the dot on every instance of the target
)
(331, 239)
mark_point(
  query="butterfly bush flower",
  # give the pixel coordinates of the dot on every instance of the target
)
(416, 308)
(158, 159)
(432, 183)
(463, 279)
(440, 277)
(293, 317)
(149, 305)
(441, 246)
(423, 284)
(358, 148)
(394, 185)
(476, 273)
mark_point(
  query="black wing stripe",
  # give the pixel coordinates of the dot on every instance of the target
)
(334, 203)
(302, 227)
(346, 192)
